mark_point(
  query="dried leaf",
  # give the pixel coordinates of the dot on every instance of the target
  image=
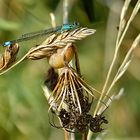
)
(124, 9)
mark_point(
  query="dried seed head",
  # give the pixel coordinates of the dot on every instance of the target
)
(74, 99)
(40, 52)
(9, 56)
(96, 122)
(57, 41)
(71, 36)
(71, 88)
(72, 121)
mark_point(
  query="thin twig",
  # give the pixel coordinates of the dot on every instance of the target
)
(53, 21)
(84, 136)
(124, 64)
(65, 21)
(23, 58)
(120, 38)
(77, 63)
(121, 33)
(65, 11)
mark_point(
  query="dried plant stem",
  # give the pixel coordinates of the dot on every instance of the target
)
(77, 63)
(65, 11)
(65, 21)
(53, 21)
(84, 136)
(118, 44)
(124, 64)
(134, 12)
(122, 21)
(66, 134)
(120, 38)
(123, 27)
(72, 136)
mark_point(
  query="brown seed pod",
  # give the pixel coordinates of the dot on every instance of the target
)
(9, 56)
(62, 56)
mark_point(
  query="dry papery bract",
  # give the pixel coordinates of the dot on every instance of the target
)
(71, 86)
(71, 100)
(9, 56)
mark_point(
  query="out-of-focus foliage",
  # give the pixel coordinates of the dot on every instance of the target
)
(23, 107)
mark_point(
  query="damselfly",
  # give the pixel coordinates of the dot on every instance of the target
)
(32, 35)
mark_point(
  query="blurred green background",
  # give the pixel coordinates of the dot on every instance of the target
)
(23, 107)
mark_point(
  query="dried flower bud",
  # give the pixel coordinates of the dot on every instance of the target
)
(72, 88)
(9, 56)
(58, 59)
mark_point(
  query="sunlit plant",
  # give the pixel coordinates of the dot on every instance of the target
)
(69, 97)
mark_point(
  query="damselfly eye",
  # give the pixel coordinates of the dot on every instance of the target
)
(76, 24)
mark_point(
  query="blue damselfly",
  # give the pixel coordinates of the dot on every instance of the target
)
(32, 35)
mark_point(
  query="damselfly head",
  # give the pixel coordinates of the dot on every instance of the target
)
(67, 27)
(75, 24)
